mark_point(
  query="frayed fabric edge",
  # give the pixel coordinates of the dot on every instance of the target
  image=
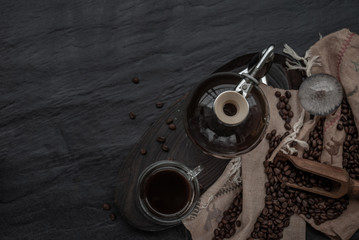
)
(284, 146)
(233, 183)
(300, 63)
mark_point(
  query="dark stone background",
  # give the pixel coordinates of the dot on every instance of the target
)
(66, 91)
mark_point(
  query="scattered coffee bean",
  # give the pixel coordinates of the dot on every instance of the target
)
(165, 148)
(169, 121)
(287, 126)
(113, 216)
(143, 151)
(161, 139)
(135, 80)
(172, 126)
(132, 115)
(106, 206)
(277, 94)
(159, 104)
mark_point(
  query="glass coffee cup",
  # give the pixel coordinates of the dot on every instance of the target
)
(168, 191)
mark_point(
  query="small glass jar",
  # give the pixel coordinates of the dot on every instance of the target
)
(168, 191)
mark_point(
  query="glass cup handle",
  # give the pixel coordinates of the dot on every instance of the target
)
(194, 172)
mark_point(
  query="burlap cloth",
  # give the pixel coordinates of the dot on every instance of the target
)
(336, 54)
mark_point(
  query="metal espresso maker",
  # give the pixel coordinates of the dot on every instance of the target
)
(227, 114)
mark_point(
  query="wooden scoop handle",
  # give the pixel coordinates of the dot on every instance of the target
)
(354, 188)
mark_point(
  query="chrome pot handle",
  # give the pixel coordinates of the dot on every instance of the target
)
(256, 72)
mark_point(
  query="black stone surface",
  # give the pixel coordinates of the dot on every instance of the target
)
(66, 91)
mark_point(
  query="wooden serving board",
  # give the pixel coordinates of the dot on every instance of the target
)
(181, 148)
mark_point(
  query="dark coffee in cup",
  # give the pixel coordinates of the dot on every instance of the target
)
(167, 191)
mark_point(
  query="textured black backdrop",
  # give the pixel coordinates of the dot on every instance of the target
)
(66, 91)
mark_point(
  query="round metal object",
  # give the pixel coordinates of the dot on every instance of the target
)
(320, 94)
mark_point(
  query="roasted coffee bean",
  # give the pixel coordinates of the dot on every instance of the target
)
(169, 121)
(273, 132)
(165, 148)
(305, 203)
(288, 94)
(277, 94)
(280, 105)
(351, 130)
(286, 168)
(340, 127)
(277, 171)
(284, 112)
(159, 104)
(281, 98)
(303, 195)
(220, 225)
(135, 80)
(265, 211)
(143, 151)
(161, 139)
(287, 126)
(106, 206)
(113, 216)
(172, 126)
(290, 114)
(132, 115)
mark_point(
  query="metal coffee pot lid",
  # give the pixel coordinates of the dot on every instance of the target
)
(227, 114)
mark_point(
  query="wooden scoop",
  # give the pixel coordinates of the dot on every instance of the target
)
(342, 183)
